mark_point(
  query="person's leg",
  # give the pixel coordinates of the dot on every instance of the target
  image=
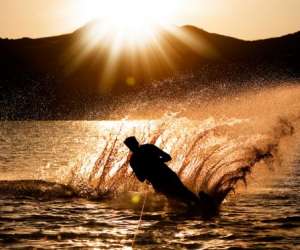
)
(174, 188)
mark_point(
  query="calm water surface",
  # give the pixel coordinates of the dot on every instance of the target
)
(265, 217)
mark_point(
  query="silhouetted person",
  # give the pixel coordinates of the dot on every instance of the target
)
(148, 163)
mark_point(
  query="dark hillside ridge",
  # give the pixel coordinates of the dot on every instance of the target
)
(43, 78)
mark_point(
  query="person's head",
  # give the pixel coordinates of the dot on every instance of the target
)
(132, 143)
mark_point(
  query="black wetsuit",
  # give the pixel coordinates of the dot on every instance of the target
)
(148, 163)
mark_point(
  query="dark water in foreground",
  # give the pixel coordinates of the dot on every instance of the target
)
(268, 219)
(265, 216)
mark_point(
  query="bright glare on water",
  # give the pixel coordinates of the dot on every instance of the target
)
(266, 215)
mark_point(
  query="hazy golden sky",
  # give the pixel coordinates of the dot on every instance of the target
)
(247, 19)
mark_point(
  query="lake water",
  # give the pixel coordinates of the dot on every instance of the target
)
(211, 153)
(265, 216)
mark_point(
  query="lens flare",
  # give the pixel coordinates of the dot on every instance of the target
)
(131, 31)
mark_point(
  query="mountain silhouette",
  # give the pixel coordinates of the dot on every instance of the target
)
(63, 77)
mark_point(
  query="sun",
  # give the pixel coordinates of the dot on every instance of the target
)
(119, 29)
(132, 19)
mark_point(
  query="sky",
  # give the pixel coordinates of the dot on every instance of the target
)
(245, 19)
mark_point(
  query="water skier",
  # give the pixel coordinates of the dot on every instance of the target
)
(148, 164)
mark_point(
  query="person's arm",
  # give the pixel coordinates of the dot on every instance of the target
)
(163, 155)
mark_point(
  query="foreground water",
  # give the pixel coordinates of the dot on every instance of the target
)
(266, 216)
(266, 220)
(210, 153)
